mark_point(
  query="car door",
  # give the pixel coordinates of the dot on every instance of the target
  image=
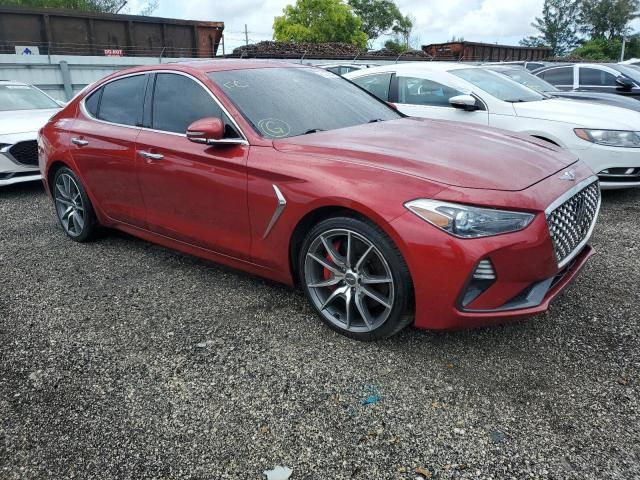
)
(103, 137)
(602, 79)
(377, 84)
(560, 77)
(193, 193)
(425, 97)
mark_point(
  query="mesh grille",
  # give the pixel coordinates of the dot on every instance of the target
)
(569, 224)
(25, 152)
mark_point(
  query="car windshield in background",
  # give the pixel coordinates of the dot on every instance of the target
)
(23, 97)
(286, 102)
(528, 80)
(500, 87)
(632, 72)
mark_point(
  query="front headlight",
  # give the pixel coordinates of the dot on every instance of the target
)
(610, 138)
(465, 221)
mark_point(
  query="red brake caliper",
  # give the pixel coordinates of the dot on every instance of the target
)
(326, 274)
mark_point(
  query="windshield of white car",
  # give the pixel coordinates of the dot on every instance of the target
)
(23, 97)
(629, 71)
(528, 80)
(286, 102)
(498, 86)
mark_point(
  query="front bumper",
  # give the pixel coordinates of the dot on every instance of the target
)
(11, 170)
(618, 160)
(528, 276)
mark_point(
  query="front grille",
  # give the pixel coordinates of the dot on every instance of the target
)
(570, 223)
(25, 152)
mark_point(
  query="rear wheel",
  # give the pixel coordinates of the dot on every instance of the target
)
(73, 207)
(356, 278)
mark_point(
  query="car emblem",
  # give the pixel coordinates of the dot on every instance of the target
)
(569, 175)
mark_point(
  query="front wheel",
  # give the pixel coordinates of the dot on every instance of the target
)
(356, 278)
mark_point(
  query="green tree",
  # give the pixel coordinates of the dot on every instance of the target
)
(557, 27)
(319, 21)
(604, 49)
(105, 6)
(379, 17)
(607, 18)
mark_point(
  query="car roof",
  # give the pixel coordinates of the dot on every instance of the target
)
(227, 64)
(11, 82)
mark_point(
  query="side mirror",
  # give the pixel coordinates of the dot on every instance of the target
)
(624, 83)
(210, 131)
(464, 102)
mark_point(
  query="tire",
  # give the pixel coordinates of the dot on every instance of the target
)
(356, 279)
(73, 207)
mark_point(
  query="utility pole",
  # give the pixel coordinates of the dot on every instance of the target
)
(624, 41)
(246, 35)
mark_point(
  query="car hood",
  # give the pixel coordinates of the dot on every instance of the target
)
(580, 114)
(451, 153)
(21, 121)
(600, 97)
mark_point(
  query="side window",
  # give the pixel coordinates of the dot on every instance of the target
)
(122, 100)
(92, 102)
(420, 91)
(178, 101)
(596, 77)
(559, 76)
(376, 84)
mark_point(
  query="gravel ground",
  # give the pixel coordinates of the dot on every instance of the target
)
(121, 359)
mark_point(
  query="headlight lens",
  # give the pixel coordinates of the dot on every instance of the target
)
(611, 138)
(465, 221)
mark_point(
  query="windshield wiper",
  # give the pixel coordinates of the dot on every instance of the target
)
(517, 100)
(314, 130)
(376, 120)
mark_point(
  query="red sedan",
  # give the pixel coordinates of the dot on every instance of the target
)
(295, 174)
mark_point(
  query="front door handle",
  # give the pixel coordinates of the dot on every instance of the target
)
(150, 156)
(80, 142)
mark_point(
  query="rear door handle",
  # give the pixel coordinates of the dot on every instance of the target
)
(80, 142)
(150, 156)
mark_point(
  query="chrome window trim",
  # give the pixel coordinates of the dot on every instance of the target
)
(562, 199)
(84, 110)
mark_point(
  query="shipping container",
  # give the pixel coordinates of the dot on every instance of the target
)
(72, 32)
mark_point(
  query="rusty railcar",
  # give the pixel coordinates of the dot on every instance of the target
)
(484, 52)
(72, 32)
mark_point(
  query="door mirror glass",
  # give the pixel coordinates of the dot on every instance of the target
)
(464, 102)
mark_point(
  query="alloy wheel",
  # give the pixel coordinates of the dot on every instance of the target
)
(349, 280)
(69, 205)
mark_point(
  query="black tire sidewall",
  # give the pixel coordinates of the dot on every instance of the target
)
(403, 286)
(90, 219)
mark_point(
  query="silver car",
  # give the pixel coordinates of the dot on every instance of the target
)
(24, 109)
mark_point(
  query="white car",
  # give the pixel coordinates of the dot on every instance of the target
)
(607, 138)
(24, 109)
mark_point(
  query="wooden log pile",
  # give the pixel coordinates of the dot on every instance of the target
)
(270, 49)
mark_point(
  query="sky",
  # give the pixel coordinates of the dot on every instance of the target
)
(436, 21)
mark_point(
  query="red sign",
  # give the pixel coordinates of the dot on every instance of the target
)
(113, 53)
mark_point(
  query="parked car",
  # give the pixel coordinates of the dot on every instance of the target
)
(24, 109)
(597, 77)
(526, 64)
(295, 174)
(342, 68)
(527, 79)
(605, 137)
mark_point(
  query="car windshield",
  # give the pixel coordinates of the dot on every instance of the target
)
(498, 86)
(286, 102)
(24, 97)
(632, 72)
(528, 80)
